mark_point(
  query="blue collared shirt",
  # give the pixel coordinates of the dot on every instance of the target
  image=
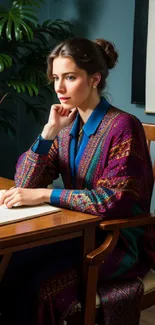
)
(88, 129)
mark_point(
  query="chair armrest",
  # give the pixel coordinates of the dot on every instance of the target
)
(135, 221)
(99, 254)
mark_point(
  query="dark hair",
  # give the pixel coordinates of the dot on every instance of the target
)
(91, 56)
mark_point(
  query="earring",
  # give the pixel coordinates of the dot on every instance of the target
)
(94, 86)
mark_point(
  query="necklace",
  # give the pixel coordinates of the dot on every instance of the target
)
(81, 125)
(80, 132)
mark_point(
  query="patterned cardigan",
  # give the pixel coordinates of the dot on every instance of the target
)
(113, 179)
(114, 173)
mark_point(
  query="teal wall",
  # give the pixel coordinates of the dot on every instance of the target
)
(112, 20)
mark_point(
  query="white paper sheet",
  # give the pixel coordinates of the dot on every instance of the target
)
(20, 213)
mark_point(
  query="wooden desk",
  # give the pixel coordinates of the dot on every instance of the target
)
(51, 228)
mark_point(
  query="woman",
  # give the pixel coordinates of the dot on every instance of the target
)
(102, 156)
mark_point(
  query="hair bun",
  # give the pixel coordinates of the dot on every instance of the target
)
(109, 51)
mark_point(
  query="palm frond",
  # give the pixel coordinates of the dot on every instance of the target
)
(15, 23)
(58, 29)
(25, 45)
(24, 86)
(5, 61)
(36, 75)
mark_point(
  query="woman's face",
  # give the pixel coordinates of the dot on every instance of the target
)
(72, 85)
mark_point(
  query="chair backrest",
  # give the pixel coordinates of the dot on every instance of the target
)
(149, 130)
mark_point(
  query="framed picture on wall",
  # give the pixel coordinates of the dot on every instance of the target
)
(143, 66)
(150, 61)
(139, 52)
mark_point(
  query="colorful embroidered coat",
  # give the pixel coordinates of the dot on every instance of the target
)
(108, 174)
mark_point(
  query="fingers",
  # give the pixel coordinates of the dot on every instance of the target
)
(9, 192)
(72, 111)
(57, 107)
(61, 110)
(54, 107)
(60, 117)
(72, 114)
(12, 197)
(12, 202)
(2, 196)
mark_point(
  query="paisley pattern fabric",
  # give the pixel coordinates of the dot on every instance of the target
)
(59, 299)
(120, 301)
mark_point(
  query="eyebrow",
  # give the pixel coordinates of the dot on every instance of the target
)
(64, 74)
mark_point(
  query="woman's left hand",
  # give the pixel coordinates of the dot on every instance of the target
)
(25, 196)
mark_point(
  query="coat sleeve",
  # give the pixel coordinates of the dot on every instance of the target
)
(126, 180)
(36, 170)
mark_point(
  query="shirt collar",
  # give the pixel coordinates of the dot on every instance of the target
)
(75, 126)
(94, 120)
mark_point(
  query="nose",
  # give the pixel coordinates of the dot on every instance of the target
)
(60, 87)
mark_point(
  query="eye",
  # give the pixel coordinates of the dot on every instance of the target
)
(70, 77)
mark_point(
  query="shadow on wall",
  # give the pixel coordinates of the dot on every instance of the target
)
(87, 12)
(82, 13)
(87, 15)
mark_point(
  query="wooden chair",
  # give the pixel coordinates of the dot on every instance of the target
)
(94, 259)
(150, 137)
(98, 256)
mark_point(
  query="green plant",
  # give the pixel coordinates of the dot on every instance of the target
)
(25, 45)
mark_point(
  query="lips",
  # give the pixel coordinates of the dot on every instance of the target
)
(64, 98)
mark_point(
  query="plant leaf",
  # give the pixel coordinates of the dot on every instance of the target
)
(21, 86)
(5, 61)
(28, 30)
(8, 29)
(17, 21)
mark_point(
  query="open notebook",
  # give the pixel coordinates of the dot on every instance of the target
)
(21, 213)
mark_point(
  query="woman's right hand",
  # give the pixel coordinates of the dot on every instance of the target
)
(59, 118)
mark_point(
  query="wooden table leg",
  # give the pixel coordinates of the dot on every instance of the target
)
(88, 246)
(90, 302)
